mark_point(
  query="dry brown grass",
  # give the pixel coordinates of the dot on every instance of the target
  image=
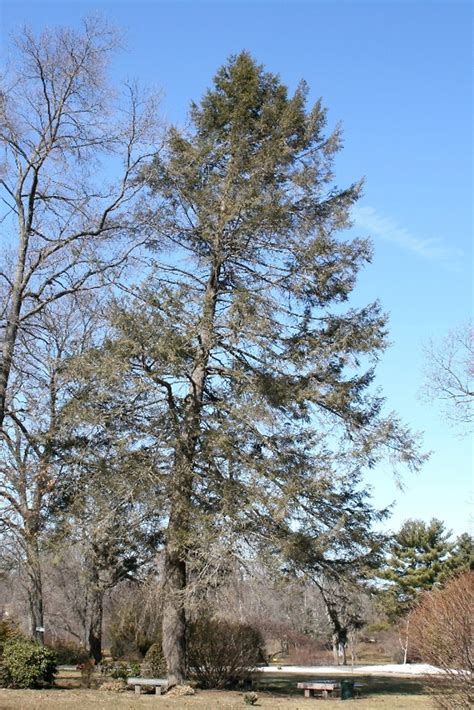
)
(203, 700)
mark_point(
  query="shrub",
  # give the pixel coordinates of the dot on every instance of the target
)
(8, 631)
(250, 698)
(179, 691)
(27, 664)
(105, 667)
(135, 669)
(4, 677)
(221, 653)
(120, 671)
(130, 635)
(121, 647)
(114, 686)
(69, 653)
(87, 669)
(441, 631)
(154, 665)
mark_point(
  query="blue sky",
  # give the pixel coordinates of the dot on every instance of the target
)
(398, 75)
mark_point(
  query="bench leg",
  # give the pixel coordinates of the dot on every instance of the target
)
(137, 690)
(325, 693)
(158, 690)
(307, 693)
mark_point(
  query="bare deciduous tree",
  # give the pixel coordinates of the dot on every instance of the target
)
(110, 520)
(449, 374)
(70, 154)
(29, 466)
(71, 150)
(343, 600)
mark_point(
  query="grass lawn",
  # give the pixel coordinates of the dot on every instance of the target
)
(60, 699)
(278, 693)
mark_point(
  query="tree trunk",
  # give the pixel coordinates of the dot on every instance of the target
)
(95, 623)
(343, 651)
(174, 586)
(174, 618)
(35, 591)
(403, 639)
(339, 647)
(7, 346)
(181, 487)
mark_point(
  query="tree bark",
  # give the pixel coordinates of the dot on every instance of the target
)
(96, 616)
(174, 617)
(35, 591)
(13, 319)
(339, 648)
(177, 536)
(343, 648)
(403, 639)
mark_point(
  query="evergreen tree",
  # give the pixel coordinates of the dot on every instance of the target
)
(461, 558)
(421, 556)
(237, 360)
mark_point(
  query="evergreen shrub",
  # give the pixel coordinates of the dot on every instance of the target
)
(154, 664)
(8, 630)
(26, 664)
(120, 671)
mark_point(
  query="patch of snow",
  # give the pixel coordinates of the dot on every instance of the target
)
(382, 669)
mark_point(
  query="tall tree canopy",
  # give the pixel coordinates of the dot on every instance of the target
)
(237, 359)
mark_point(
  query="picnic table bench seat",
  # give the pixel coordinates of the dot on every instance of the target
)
(157, 683)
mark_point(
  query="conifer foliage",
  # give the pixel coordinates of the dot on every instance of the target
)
(421, 557)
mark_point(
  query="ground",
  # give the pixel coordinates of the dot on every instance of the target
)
(275, 690)
(203, 700)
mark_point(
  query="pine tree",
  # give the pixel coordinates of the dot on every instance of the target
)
(420, 556)
(237, 359)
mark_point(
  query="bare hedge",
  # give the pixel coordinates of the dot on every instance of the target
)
(221, 654)
(442, 634)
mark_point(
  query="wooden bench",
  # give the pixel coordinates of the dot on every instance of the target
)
(325, 687)
(156, 683)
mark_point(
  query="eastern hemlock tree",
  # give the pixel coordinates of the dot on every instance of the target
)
(237, 354)
(420, 557)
